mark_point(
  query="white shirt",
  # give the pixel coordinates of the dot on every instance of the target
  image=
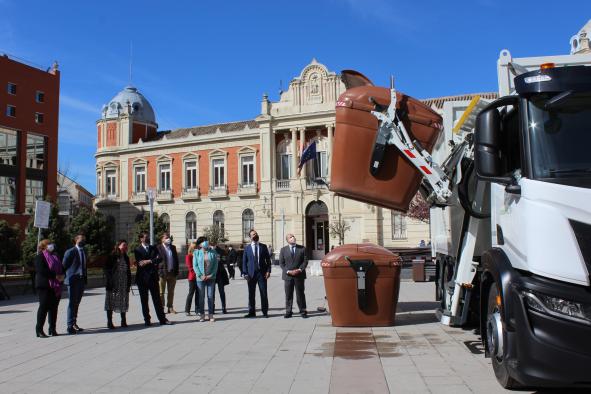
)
(82, 256)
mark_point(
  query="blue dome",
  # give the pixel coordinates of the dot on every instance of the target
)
(140, 107)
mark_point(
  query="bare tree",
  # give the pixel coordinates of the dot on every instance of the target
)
(418, 209)
(215, 234)
(338, 229)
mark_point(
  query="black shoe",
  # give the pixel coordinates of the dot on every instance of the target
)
(166, 323)
(147, 323)
(72, 331)
(304, 315)
(41, 334)
(224, 311)
(265, 315)
(287, 315)
(250, 315)
(77, 328)
(123, 324)
(111, 326)
(53, 333)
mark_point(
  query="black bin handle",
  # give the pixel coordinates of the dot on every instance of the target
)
(361, 267)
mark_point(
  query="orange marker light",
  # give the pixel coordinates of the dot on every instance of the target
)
(498, 300)
(546, 66)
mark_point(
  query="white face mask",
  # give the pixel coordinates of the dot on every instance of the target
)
(51, 247)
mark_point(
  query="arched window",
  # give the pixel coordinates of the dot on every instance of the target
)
(191, 226)
(247, 224)
(166, 221)
(218, 220)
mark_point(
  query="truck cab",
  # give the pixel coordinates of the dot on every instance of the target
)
(535, 294)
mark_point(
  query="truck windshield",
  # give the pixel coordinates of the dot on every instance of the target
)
(560, 131)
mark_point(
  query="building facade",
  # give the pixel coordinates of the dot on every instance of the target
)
(241, 175)
(71, 197)
(29, 103)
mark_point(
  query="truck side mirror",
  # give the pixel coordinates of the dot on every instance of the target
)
(487, 144)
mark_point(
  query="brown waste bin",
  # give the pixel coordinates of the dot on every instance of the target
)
(362, 282)
(397, 181)
(418, 270)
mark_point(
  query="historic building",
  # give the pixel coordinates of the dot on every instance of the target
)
(29, 103)
(241, 175)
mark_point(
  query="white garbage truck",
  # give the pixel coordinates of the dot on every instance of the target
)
(510, 195)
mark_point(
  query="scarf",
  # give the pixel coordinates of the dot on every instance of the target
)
(55, 266)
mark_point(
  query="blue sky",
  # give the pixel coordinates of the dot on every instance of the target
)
(203, 62)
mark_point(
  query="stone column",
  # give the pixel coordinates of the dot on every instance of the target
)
(301, 147)
(294, 153)
(329, 128)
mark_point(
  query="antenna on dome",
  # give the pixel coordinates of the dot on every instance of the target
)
(130, 61)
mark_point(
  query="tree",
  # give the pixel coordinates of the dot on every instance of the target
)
(143, 224)
(9, 243)
(215, 234)
(338, 230)
(418, 209)
(56, 233)
(97, 228)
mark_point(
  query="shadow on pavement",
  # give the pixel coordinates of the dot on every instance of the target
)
(415, 318)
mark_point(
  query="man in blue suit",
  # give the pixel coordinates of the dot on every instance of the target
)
(75, 267)
(256, 267)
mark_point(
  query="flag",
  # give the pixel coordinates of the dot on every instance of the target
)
(308, 154)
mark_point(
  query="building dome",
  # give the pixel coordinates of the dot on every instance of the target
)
(129, 100)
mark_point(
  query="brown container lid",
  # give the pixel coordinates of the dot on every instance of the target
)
(364, 251)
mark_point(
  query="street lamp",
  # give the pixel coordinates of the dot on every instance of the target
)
(151, 197)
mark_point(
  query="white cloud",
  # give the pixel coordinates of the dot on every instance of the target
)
(78, 104)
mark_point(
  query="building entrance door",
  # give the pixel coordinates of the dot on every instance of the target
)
(317, 239)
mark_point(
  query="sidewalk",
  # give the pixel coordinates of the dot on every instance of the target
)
(237, 355)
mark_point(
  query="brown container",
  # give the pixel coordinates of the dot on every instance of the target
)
(397, 181)
(382, 284)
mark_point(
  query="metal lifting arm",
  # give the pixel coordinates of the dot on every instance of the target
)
(391, 131)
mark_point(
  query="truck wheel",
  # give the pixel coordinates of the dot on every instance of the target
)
(495, 335)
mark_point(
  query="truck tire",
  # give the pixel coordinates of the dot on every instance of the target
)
(495, 340)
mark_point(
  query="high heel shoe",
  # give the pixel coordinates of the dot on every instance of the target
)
(41, 334)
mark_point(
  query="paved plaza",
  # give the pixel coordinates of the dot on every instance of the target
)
(237, 355)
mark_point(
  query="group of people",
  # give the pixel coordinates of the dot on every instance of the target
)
(156, 276)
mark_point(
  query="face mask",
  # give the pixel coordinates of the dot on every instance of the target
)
(205, 244)
(81, 244)
(167, 241)
(255, 238)
(51, 247)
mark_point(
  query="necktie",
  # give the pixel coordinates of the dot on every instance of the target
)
(292, 251)
(256, 255)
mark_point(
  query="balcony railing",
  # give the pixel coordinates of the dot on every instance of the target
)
(139, 197)
(190, 194)
(316, 183)
(104, 198)
(218, 191)
(282, 184)
(164, 195)
(247, 189)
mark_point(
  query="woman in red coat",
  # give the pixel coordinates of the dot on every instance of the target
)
(193, 290)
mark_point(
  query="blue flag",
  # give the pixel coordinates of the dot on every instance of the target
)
(308, 154)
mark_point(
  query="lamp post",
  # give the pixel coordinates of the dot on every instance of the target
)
(151, 197)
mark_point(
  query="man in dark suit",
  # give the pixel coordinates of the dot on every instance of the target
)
(256, 267)
(293, 262)
(76, 274)
(146, 278)
(169, 270)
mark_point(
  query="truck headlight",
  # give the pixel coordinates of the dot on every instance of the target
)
(559, 307)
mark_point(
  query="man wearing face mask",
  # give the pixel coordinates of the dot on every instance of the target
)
(169, 270)
(256, 266)
(75, 266)
(293, 262)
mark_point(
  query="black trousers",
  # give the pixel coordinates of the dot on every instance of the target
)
(193, 295)
(150, 285)
(231, 271)
(48, 304)
(298, 284)
(222, 292)
(258, 278)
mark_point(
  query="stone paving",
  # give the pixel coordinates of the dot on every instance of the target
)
(237, 355)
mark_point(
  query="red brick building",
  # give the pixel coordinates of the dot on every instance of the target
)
(29, 109)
